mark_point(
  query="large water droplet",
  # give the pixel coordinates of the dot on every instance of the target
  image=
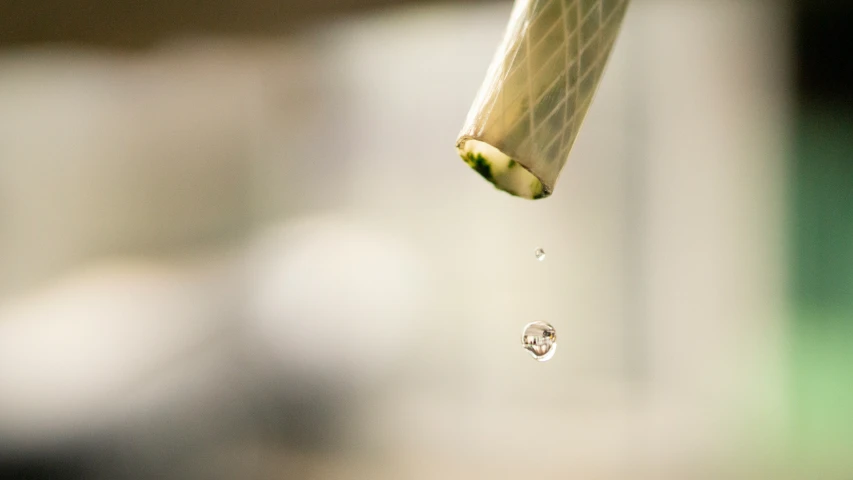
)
(540, 339)
(540, 254)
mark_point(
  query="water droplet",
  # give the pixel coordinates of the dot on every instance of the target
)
(540, 339)
(540, 254)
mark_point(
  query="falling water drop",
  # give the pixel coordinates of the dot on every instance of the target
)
(540, 254)
(540, 339)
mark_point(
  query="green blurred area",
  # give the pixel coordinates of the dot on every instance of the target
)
(822, 287)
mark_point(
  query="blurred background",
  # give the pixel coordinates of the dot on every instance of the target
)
(236, 242)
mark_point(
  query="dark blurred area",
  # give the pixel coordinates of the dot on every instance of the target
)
(824, 68)
(101, 23)
(235, 242)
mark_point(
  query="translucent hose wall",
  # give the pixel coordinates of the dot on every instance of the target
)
(526, 116)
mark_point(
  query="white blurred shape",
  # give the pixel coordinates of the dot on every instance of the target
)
(72, 354)
(334, 298)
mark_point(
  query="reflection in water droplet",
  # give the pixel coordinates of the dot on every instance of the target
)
(540, 339)
(540, 254)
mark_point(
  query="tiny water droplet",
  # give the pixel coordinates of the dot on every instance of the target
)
(540, 254)
(540, 339)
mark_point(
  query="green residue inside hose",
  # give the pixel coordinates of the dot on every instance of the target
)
(480, 164)
(502, 171)
(537, 189)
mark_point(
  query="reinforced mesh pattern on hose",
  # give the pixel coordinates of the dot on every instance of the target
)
(539, 87)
